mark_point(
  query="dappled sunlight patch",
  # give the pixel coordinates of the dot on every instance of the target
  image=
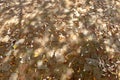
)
(85, 32)
(50, 53)
(90, 38)
(109, 49)
(20, 41)
(38, 52)
(73, 37)
(68, 74)
(59, 55)
(11, 21)
(5, 39)
(39, 64)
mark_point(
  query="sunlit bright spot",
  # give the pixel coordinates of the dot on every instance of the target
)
(20, 41)
(59, 55)
(1, 57)
(100, 10)
(12, 20)
(50, 53)
(64, 48)
(77, 13)
(79, 50)
(66, 10)
(5, 39)
(90, 37)
(108, 49)
(38, 52)
(68, 74)
(73, 37)
(62, 38)
(82, 10)
(107, 41)
(109, 33)
(39, 64)
(85, 32)
(21, 56)
(8, 31)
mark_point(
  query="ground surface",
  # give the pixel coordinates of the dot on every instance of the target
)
(60, 40)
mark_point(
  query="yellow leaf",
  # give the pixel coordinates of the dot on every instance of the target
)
(14, 46)
(38, 52)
